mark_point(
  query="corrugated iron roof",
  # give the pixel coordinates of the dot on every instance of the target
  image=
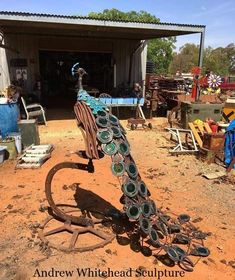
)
(92, 18)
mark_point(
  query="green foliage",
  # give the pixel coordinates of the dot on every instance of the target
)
(220, 60)
(160, 51)
(185, 59)
(114, 14)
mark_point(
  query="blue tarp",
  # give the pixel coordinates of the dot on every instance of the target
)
(229, 148)
(8, 118)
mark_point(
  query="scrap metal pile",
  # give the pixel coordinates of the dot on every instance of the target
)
(104, 134)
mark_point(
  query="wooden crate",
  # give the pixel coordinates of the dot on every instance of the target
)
(213, 141)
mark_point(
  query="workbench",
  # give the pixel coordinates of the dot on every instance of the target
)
(124, 102)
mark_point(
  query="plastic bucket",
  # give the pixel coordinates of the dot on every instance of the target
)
(2, 153)
(18, 141)
(8, 118)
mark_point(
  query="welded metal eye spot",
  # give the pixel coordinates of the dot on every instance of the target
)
(145, 225)
(133, 212)
(181, 253)
(123, 148)
(105, 135)
(130, 188)
(146, 209)
(143, 189)
(186, 264)
(162, 227)
(116, 131)
(200, 251)
(171, 252)
(173, 228)
(153, 207)
(154, 236)
(132, 170)
(102, 113)
(118, 168)
(113, 120)
(199, 234)
(109, 148)
(183, 218)
(181, 239)
(102, 121)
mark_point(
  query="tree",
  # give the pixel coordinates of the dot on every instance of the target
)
(114, 14)
(220, 61)
(185, 59)
(160, 51)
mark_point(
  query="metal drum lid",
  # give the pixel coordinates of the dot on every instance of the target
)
(130, 188)
(131, 169)
(153, 207)
(154, 236)
(146, 209)
(102, 121)
(186, 264)
(116, 131)
(113, 120)
(145, 225)
(109, 148)
(181, 253)
(102, 113)
(123, 148)
(181, 238)
(183, 218)
(200, 251)
(105, 135)
(172, 253)
(118, 168)
(143, 189)
(133, 212)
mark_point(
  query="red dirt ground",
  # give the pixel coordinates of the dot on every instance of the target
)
(174, 182)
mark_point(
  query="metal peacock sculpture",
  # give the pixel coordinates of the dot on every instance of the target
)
(103, 134)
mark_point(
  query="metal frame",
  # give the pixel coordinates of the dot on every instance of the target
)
(179, 148)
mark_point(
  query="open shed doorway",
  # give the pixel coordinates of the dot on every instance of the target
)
(58, 84)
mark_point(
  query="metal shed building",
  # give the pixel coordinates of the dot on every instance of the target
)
(114, 51)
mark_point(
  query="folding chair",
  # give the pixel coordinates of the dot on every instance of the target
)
(33, 110)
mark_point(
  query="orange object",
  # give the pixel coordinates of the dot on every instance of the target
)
(214, 128)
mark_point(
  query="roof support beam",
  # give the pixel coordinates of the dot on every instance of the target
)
(201, 49)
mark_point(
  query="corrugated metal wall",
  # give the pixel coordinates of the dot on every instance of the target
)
(4, 70)
(29, 46)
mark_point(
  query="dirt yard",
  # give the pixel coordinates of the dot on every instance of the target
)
(176, 184)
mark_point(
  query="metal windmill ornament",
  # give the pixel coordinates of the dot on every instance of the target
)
(214, 81)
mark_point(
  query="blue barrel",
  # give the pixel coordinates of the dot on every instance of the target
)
(8, 118)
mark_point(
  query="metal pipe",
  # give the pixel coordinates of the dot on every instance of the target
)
(201, 49)
(200, 59)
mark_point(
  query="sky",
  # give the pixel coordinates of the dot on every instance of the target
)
(217, 15)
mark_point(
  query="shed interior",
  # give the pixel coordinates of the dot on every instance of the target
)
(58, 86)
